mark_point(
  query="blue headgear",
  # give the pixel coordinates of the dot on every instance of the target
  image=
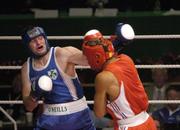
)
(125, 34)
(31, 34)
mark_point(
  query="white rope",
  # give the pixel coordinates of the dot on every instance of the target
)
(157, 66)
(49, 37)
(172, 36)
(10, 67)
(15, 102)
(164, 101)
(142, 66)
(87, 67)
(168, 36)
(92, 102)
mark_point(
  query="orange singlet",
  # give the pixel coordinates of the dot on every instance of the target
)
(129, 109)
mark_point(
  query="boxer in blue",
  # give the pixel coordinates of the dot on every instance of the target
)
(64, 107)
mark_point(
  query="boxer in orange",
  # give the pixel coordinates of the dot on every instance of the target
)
(118, 88)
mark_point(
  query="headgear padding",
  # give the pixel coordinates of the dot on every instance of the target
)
(97, 49)
(32, 33)
(92, 34)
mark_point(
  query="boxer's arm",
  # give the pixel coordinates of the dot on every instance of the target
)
(32, 92)
(73, 55)
(106, 89)
(100, 97)
(29, 102)
(124, 34)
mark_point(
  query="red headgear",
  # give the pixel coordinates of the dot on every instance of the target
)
(97, 49)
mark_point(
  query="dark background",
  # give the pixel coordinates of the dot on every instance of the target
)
(67, 26)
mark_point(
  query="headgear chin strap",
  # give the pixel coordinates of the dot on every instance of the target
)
(31, 34)
(97, 49)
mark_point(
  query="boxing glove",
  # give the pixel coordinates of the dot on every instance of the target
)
(39, 86)
(124, 35)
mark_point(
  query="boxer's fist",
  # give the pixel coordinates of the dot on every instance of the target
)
(41, 85)
(45, 83)
(124, 34)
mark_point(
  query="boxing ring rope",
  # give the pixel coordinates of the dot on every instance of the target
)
(87, 67)
(92, 102)
(171, 36)
(168, 36)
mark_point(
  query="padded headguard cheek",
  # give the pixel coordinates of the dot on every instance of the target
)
(97, 49)
(95, 56)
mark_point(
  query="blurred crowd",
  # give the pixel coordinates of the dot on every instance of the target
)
(25, 6)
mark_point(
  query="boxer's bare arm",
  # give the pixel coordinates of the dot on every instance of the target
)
(107, 88)
(73, 55)
(100, 97)
(28, 101)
